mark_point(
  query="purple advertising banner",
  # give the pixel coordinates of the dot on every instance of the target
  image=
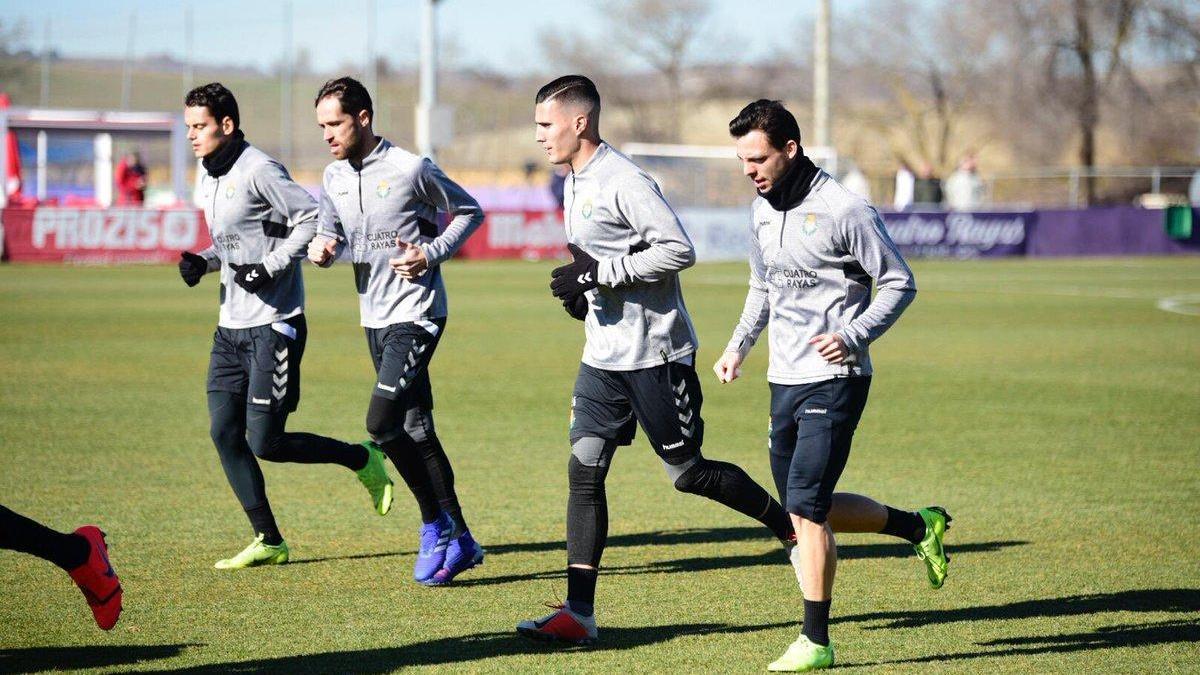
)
(960, 235)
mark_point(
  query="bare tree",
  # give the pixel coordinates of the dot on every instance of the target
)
(659, 33)
(929, 58)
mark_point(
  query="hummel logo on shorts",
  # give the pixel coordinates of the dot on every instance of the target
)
(815, 411)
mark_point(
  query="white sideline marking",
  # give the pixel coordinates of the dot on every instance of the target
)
(1181, 304)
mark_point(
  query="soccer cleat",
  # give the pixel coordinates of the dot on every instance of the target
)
(97, 580)
(802, 656)
(257, 553)
(793, 554)
(561, 626)
(431, 555)
(374, 477)
(462, 554)
(930, 550)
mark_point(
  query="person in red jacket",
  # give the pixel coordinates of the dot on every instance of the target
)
(131, 179)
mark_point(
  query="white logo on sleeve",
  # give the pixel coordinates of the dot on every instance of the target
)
(585, 278)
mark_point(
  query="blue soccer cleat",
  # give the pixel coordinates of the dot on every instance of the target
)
(462, 554)
(435, 539)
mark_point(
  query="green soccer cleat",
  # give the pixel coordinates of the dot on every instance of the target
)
(257, 553)
(930, 550)
(802, 656)
(374, 477)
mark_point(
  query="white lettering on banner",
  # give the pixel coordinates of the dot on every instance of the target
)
(965, 228)
(179, 229)
(512, 230)
(115, 229)
(914, 230)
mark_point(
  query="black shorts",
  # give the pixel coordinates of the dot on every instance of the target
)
(812, 426)
(260, 363)
(665, 400)
(401, 354)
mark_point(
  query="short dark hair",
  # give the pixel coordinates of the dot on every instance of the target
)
(769, 117)
(219, 101)
(575, 89)
(350, 92)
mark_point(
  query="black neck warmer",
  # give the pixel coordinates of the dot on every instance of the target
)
(793, 186)
(221, 160)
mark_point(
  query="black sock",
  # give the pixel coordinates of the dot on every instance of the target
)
(263, 522)
(779, 521)
(581, 589)
(20, 533)
(907, 525)
(816, 620)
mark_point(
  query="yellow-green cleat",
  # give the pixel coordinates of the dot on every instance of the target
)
(257, 553)
(930, 550)
(374, 477)
(802, 656)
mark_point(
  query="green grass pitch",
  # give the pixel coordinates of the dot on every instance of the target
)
(1050, 405)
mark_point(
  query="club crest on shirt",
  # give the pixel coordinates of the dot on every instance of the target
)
(229, 190)
(586, 209)
(809, 226)
(383, 189)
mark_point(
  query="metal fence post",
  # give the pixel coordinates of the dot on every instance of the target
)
(1073, 187)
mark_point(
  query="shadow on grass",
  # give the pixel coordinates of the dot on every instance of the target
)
(1146, 600)
(37, 659)
(708, 535)
(708, 563)
(1134, 635)
(468, 649)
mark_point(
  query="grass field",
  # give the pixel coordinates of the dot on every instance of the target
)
(1050, 405)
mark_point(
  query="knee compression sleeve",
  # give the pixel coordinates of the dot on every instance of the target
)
(587, 505)
(383, 422)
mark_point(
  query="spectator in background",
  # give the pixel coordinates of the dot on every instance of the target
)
(131, 179)
(964, 188)
(856, 182)
(927, 188)
(558, 182)
(903, 196)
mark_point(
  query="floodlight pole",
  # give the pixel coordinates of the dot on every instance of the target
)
(127, 72)
(285, 107)
(428, 100)
(821, 135)
(370, 74)
(189, 72)
(45, 97)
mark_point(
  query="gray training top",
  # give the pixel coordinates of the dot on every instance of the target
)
(810, 273)
(395, 194)
(248, 211)
(615, 212)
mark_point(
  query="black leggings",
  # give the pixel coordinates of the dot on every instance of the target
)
(243, 433)
(18, 533)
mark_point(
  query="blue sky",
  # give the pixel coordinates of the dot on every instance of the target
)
(499, 34)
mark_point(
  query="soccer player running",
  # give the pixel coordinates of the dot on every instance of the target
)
(83, 554)
(814, 250)
(261, 223)
(383, 202)
(638, 361)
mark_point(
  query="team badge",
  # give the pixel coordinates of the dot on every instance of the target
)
(810, 224)
(229, 191)
(586, 211)
(383, 189)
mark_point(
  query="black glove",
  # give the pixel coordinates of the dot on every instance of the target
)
(192, 267)
(578, 309)
(571, 281)
(251, 277)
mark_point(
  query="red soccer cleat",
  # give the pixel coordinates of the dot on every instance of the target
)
(97, 579)
(561, 626)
